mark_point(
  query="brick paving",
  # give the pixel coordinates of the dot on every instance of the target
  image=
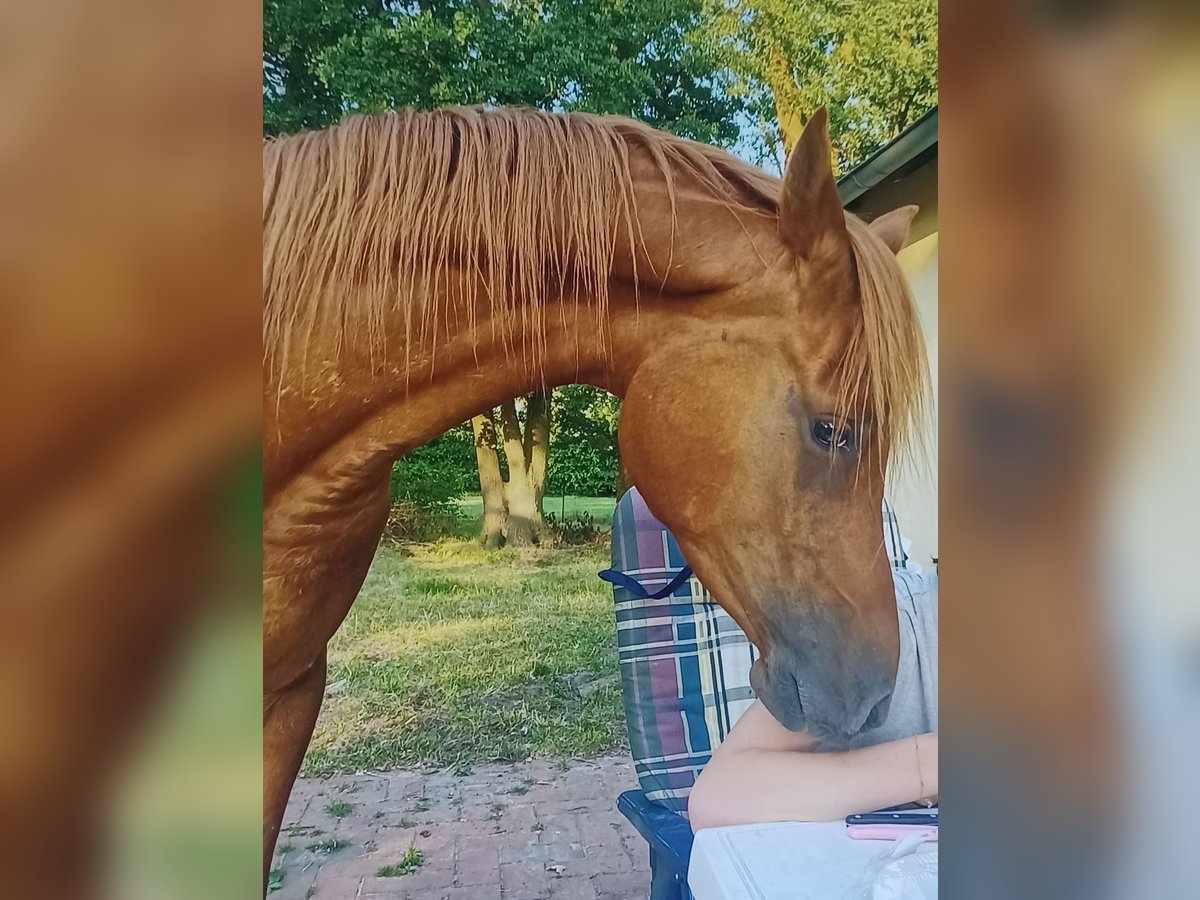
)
(534, 830)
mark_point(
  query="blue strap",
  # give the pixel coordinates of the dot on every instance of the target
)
(620, 579)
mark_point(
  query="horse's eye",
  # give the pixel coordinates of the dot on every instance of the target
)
(831, 435)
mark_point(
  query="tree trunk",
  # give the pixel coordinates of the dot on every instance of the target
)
(537, 446)
(789, 105)
(791, 126)
(524, 516)
(491, 486)
(783, 89)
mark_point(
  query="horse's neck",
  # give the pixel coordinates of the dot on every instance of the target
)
(351, 400)
(686, 249)
(354, 411)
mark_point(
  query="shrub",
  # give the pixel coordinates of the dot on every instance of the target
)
(432, 477)
(578, 529)
(583, 442)
(409, 522)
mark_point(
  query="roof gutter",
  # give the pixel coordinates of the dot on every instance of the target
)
(908, 145)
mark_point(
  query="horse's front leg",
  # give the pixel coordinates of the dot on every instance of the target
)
(289, 715)
(318, 545)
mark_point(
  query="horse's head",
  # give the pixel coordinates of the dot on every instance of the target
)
(759, 430)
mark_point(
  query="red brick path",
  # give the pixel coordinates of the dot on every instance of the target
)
(527, 831)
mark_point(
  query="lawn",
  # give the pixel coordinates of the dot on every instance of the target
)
(457, 655)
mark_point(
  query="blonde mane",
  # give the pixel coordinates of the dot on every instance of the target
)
(373, 215)
(389, 203)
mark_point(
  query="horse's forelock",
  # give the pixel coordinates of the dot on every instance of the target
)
(885, 364)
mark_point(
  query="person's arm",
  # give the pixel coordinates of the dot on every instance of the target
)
(764, 773)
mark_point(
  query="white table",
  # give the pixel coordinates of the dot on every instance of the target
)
(785, 861)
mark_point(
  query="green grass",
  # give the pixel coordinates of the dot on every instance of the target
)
(457, 655)
(599, 508)
(333, 845)
(339, 809)
(410, 862)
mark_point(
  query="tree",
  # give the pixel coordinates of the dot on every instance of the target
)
(584, 437)
(872, 63)
(522, 498)
(491, 485)
(435, 475)
(324, 58)
(536, 445)
(297, 34)
(512, 508)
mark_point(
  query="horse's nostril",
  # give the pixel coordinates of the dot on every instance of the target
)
(799, 694)
(878, 713)
(872, 718)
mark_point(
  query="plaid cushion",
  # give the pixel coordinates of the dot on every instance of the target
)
(685, 664)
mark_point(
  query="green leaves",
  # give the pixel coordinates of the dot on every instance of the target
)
(872, 63)
(296, 35)
(432, 477)
(583, 442)
(729, 72)
(582, 459)
(322, 60)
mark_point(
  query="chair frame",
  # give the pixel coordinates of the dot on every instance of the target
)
(670, 838)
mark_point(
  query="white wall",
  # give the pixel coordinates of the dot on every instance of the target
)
(913, 490)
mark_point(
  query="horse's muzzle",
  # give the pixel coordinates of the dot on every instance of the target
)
(832, 703)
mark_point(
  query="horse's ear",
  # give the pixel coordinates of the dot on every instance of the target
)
(809, 207)
(892, 228)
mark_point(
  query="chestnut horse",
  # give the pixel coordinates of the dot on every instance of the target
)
(420, 267)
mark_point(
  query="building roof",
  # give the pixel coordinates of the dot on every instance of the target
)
(901, 172)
